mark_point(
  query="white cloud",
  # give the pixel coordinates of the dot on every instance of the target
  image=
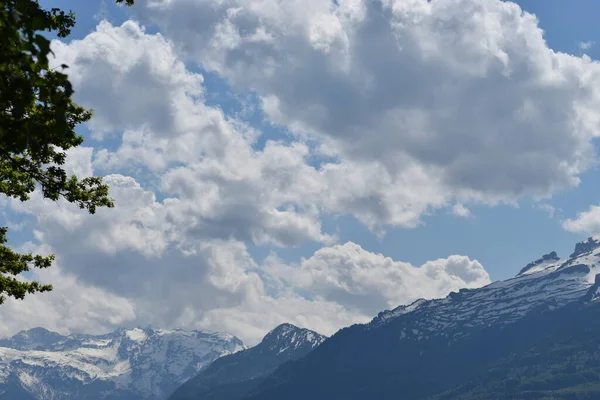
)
(112, 270)
(217, 184)
(134, 78)
(140, 259)
(369, 282)
(466, 92)
(139, 223)
(585, 222)
(273, 195)
(136, 264)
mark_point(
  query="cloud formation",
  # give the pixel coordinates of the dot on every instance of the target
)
(203, 161)
(360, 280)
(461, 95)
(130, 263)
(191, 191)
(409, 106)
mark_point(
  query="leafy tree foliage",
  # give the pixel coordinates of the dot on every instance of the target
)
(37, 126)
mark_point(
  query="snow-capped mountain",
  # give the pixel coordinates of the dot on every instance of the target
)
(549, 283)
(234, 375)
(286, 340)
(125, 364)
(497, 336)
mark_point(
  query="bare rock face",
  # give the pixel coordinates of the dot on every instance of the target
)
(586, 246)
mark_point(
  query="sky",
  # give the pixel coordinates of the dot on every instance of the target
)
(313, 162)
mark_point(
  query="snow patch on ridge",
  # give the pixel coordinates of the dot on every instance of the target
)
(136, 334)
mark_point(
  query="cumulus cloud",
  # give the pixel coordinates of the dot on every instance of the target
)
(207, 159)
(466, 90)
(108, 63)
(585, 222)
(108, 274)
(136, 264)
(369, 282)
(203, 161)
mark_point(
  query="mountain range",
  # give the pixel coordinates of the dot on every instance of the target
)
(143, 363)
(123, 365)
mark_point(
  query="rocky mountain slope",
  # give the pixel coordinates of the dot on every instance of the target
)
(535, 336)
(126, 364)
(234, 375)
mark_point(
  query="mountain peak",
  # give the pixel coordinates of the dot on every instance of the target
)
(245, 369)
(282, 330)
(287, 337)
(539, 264)
(32, 339)
(586, 246)
(38, 332)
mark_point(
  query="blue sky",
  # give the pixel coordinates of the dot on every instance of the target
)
(301, 268)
